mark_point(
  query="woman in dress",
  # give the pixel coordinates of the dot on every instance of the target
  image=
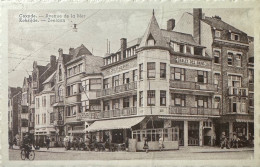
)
(146, 147)
(161, 143)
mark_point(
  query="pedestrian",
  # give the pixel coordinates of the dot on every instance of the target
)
(161, 146)
(146, 147)
(126, 144)
(47, 141)
(87, 142)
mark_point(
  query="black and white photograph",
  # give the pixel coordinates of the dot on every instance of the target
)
(130, 84)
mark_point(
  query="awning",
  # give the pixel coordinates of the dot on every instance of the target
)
(123, 123)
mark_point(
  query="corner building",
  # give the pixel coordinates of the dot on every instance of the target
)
(160, 84)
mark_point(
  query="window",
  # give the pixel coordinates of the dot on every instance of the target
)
(202, 77)
(52, 99)
(234, 81)
(74, 89)
(178, 100)
(151, 70)
(80, 68)
(126, 78)
(60, 73)
(44, 101)
(162, 70)
(230, 59)
(251, 76)
(134, 100)
(217, 34)
(106, 106)
(235, 37)
(141, 70)
(68, 111)
(141, 102)
(188, 49)
(217, 102)
(151, 97)
(126, 102)
(201, 101)
(216, 57)
(163, 98)
(68, 91)
(216, 78)
(239, 62)
(182, 48)
(150, 42)
(115, 80)
(37, 102)
(94, 84)
(135, 75)
(115, 104)
(178, 73)
(75, 70)
(106, 83)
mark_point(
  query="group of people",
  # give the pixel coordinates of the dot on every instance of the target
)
(146, 147)
(235, 141)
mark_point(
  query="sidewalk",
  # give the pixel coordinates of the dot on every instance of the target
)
(190, 149)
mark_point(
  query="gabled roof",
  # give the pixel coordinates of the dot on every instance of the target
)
(81, 50)
(179, 37)
(153, 31)
(42, 69)
(50, 78)
(220, 24)
(93, 64)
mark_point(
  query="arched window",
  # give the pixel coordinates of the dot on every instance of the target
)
(60, 73)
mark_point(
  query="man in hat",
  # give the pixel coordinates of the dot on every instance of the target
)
(26, 144)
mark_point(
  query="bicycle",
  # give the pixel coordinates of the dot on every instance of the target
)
(30, 154)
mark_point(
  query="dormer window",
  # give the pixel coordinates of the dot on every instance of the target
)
(150, 40)
(182, 48)
(235, 37)
(188, 49)
(217, 34)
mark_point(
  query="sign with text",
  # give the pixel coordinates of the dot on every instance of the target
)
(190, 61)
(121, 67)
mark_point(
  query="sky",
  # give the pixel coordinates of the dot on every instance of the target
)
(42, 39)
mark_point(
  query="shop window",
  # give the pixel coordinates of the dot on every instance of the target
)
(135, 76)
(141, 70)
(141, 100)
(216, 57)
(163, 98)
(239, 62)
(126, 78)
(106, 83)
(217, 102)
(201, 101)
(216, 78)
(230, 59)
(151, 70)
(178, 73)
(202, 76)
(179, 100)
(126, 102)
(151, 97)
(115, 80)
(94, 84)
(162, 70)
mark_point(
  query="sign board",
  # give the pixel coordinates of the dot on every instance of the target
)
(189, 61)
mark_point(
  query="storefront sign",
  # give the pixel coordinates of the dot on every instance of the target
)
(121, 67)
(190, 61)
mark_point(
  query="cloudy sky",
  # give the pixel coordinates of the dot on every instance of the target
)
(42, 39)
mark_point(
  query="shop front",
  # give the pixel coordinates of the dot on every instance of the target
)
(41, 135)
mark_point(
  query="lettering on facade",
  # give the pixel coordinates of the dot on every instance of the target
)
(190, 61)
(119, 68)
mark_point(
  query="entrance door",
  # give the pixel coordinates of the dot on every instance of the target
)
(193, 133)
(180, 125)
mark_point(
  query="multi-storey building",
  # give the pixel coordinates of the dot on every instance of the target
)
(44, 115)
(161, 84)
(229, 48)
(14, 99)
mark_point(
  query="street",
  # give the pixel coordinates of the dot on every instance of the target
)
(164, 155)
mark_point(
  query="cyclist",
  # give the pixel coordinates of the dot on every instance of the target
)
(26, 145)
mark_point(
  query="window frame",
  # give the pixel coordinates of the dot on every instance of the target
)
(162, 97)
(163, 70)
(151, 70)
(151, 98)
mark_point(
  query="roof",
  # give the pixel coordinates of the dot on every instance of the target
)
(153, 31)
(81, 50)
(50, 78)
(42, 69)
(123, 123)
(14, 91)
(219, 24)
(93, 64)
(134, 42)
(179, 37)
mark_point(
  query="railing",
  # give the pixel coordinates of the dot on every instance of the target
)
(237, 91)
(251, 87)
(193, 85)
(117, 89)
(119, 112)
(177, 110)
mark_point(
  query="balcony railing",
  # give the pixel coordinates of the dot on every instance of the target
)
(119, 112)
(177, 110)
(236, 91)
(117, 89)
(193, 85)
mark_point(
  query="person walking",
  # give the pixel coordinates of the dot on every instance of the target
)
(146, 147)
(47, 141)
(161, 146)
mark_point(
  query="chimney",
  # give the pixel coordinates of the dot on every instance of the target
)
(52, 60)
(170, 24)
(71, 50)
(60, 52)
(123, 47)
(197, 16)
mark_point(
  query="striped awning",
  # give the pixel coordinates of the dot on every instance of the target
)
(123, 123)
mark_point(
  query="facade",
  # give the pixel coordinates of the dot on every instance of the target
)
(44, 115)
(229, 48)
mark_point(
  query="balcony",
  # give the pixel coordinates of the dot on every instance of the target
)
(117, 89)
(177, 110)
(73, 98)
(119, 112)
(193, 86)
(236, 91)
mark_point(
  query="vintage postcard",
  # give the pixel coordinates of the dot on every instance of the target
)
(129, 83)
